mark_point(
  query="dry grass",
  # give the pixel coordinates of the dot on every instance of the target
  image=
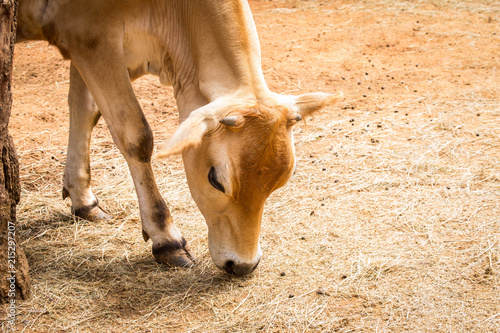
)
(390, 223)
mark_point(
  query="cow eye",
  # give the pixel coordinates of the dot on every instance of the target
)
(212, 178)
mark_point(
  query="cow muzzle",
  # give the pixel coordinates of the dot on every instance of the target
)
(239, 269)
(233, 264)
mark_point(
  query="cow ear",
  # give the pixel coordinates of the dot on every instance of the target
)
(309, 103)
(189, 134)
(200, 121)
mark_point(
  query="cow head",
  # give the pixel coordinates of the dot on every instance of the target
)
(235, 156)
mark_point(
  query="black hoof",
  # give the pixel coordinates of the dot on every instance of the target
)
(175, 254)
(91, 213)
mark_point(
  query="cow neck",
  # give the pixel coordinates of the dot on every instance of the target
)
(213, 51)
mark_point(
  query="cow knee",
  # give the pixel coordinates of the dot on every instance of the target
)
(140, 145)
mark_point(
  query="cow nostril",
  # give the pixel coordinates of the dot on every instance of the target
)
(229, 267)
(238, 269)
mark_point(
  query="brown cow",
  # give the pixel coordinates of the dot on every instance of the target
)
(235, 137)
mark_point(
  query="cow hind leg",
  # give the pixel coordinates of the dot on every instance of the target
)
(83, 117)
(108, 81)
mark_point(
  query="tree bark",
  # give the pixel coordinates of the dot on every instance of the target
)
(15, 281)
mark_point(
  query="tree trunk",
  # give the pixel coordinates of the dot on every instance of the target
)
(14, 277)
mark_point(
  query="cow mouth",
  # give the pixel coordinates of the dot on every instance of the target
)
(239, 269)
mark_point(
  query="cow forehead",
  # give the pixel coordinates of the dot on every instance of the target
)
(263, 133)
(265, 149)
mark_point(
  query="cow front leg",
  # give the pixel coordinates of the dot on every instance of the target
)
(169, 246)
(134, 138)
(83, 117)
(109, 82)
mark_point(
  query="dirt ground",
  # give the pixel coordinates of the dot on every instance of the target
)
(391, 222)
